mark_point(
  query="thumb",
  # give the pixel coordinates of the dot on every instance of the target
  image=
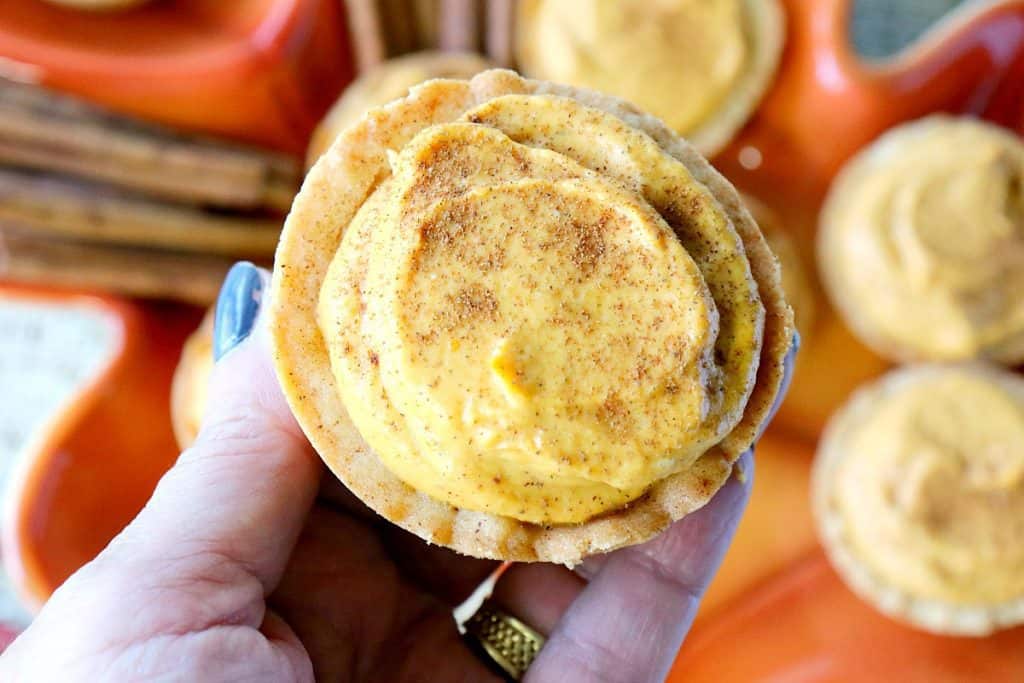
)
(212, 541)
(241, 492)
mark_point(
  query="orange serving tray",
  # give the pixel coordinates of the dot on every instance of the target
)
(825, 105)
(263, 71)
(776, 611)
(804, 625)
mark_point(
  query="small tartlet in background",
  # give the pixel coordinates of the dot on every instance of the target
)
(918, 489)
(921, 246)
(702, 67)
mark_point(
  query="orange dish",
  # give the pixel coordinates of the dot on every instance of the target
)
(805, 625)
(264, 71)
(827, 103)
(87, 472)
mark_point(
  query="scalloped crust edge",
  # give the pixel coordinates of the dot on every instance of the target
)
(310, 237)
(928, 614)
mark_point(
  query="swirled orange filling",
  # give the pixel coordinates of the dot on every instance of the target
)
(518, 327)
(923, 241)
(929, 484)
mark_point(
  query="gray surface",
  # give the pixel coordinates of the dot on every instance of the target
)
(881, 28)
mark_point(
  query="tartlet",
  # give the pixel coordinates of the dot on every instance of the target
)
(523, 320)
(388, 81)
(188, 387)
(702, 67)
(918, 490)
(921, 243)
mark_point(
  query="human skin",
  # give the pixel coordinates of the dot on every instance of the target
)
(248, 564)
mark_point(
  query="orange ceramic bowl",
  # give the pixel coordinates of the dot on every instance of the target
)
(92, 468)
(805, 625)
(825, 105)
(263, 71)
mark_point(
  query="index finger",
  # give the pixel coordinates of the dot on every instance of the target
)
(240, 493)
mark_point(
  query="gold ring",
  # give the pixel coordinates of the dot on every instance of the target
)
(507, 642)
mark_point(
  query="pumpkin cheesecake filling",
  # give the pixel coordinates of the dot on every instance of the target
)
(590, 42)
(523, 320)
(950, 485)
(922, 243)
(583, 332)
(919, 489)
(700, 65)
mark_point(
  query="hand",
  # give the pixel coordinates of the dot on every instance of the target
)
(244, 567)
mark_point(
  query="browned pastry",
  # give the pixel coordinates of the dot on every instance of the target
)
(796, 282)
(389, 81)
(614, 314)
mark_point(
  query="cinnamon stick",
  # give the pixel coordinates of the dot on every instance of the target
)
(399, 26)
(367, 31)
(132, 271)
(425, 13)
(42, 130)
(499, 34)
(60, 207)
(460, 23)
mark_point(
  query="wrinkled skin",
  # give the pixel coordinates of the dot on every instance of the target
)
(245, 567)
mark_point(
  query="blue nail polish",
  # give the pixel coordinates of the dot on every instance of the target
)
(237, 306)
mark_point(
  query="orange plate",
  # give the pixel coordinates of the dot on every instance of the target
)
(97, 463)
(776, 529)
(827, 103)
(264, 71)
(806, 626)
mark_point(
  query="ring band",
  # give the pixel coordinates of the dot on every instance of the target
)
(506, 641)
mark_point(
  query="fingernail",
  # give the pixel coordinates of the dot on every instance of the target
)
(238, 305)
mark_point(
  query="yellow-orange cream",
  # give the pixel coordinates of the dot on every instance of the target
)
(924, 483)
(515, 328)
(922, 242)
